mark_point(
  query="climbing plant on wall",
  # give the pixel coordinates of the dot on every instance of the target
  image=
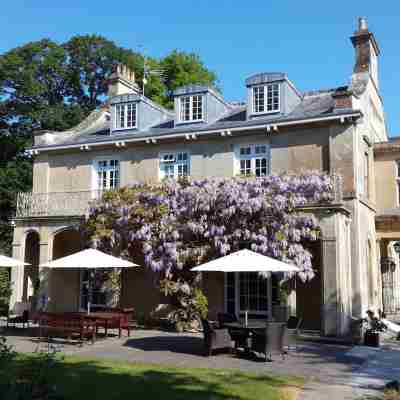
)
(172, 226)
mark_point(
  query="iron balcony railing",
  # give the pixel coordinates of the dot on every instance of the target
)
(58, 204)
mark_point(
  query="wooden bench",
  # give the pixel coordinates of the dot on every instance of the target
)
(115, 318)
(67, 325)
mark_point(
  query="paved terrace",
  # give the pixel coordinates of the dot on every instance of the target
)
(331, 370)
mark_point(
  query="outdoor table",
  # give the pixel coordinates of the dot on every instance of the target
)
(251, 326)
(106, 318)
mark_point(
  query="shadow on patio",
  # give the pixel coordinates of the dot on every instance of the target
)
(176, 344)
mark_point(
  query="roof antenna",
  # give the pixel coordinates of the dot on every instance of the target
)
(147, 71)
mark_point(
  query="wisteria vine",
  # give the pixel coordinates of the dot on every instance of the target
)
(173, 226)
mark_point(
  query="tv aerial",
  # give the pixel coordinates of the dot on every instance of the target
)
(148, 71)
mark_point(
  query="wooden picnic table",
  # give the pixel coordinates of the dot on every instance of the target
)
(109, 320)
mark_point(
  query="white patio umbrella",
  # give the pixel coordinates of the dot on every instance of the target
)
(11, 262)
(88, 259)
(246, 261)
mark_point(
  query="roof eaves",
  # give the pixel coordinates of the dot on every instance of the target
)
(203, 131)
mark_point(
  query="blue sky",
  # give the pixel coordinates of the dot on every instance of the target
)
(307, 39)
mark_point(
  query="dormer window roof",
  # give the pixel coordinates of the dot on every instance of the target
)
(198, 104)
(270, 94)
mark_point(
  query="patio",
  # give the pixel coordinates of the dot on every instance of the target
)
(311, 360)
(330, 370)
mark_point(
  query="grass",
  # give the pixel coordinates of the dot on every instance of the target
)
(81, 379)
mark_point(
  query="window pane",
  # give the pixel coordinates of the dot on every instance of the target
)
(272, 97)
(253, 292)
(197, 108)
(175, 165)
(120, 116)
(245, 167)
(131, 115)
(258, 99)
(245, 151)
(261, 167)
(108, 174)
(185, 108)
(169, 170)
(261, 149)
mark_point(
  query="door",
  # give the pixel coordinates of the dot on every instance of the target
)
(309, 294)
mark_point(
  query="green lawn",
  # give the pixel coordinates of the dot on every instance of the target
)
(84, 379)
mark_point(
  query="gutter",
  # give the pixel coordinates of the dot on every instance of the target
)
(273, 126)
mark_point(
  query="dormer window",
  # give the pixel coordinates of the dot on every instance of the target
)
(266, 99)
(125, 115)
(191, 108)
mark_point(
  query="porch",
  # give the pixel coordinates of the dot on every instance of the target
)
(388, 234)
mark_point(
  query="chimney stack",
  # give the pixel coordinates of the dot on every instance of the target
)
(122, 81)
(366, 49)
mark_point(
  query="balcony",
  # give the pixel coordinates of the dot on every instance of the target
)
(56, 204)
(65, 204)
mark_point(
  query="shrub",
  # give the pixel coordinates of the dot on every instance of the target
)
(27, 378)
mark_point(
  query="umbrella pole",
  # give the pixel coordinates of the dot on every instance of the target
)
(90, 291)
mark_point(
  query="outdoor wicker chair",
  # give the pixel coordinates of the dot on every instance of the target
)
(215, 338)
(270, 341)
(19, 315)
(239, 336)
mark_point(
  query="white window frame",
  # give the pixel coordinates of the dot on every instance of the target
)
(238, 310)
(95, 183)
(82, 282)
(175, 163)
(125, 109)
(252, 157)
(190, 97)
(265, 88)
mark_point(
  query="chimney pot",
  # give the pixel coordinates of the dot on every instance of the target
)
(362, 24)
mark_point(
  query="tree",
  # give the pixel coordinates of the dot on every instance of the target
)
(92, 59)
(49, 86)
(33, 86)
(184, 68)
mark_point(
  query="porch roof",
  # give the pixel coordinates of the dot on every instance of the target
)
(387, 224)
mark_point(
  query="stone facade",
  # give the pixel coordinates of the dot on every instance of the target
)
(331, 131)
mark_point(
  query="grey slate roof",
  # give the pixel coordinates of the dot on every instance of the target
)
(265, 77)
(313, 105)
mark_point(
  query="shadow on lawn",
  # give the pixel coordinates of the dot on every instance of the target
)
(83, 379)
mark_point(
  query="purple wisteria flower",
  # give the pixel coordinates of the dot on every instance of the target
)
(173, 226)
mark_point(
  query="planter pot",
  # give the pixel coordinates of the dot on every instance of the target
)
(372, 338)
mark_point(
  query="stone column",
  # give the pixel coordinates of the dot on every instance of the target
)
(330, 290)
(44, 273)
(17, 273)
(336, 285)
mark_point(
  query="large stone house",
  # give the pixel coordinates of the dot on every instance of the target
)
(278, 129)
